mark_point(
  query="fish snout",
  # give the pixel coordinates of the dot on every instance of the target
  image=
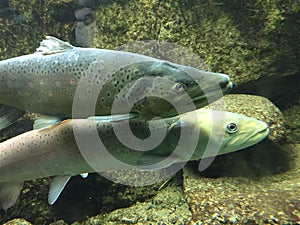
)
(212, 82)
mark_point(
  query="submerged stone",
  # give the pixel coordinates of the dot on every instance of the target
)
(242, 200)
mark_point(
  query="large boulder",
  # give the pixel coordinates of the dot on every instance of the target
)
(245, 200)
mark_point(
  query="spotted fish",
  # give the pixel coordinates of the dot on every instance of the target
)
(57, 151)
(64, 81)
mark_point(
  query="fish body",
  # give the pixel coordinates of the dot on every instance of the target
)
(57, 151)
(59, 79)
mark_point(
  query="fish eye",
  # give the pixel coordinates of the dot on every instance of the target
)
(231, 128)
(178, 87)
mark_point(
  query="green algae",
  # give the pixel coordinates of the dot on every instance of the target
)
(32, 20)
(244, 39)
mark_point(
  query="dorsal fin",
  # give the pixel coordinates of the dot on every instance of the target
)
(52, 45)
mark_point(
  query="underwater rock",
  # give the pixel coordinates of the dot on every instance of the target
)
(59, 222)
(245, 200)
(292, 117)
(87, 3)
(167, 207)
(82, 13)
(257, 107)
(17, 222)
(84, 34)
(282, 90)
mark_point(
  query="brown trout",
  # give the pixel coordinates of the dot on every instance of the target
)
(72, 82)
(55, 151)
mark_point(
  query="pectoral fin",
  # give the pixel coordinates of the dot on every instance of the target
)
(112, 118)
(9, 193)
(57, 185)
(43, 122)
(8, 115)
(84, 175)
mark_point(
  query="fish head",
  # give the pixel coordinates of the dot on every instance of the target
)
(205, 87)
(216, 133)
(166, 89)
(241, 132)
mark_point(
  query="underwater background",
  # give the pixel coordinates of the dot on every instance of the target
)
(256, 42)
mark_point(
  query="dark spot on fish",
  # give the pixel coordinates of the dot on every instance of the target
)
(108, 94)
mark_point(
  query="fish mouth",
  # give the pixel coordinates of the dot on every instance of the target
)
(256, 138)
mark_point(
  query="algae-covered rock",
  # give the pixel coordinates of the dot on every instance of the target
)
(241, 200)
(28, 22)
(17, 222)
(292, 116)
(167, 207)
(87, 197)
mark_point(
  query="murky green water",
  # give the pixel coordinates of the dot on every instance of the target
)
(255, 42)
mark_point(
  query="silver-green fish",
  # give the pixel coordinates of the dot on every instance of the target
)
(64, 81)
(72, 147)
